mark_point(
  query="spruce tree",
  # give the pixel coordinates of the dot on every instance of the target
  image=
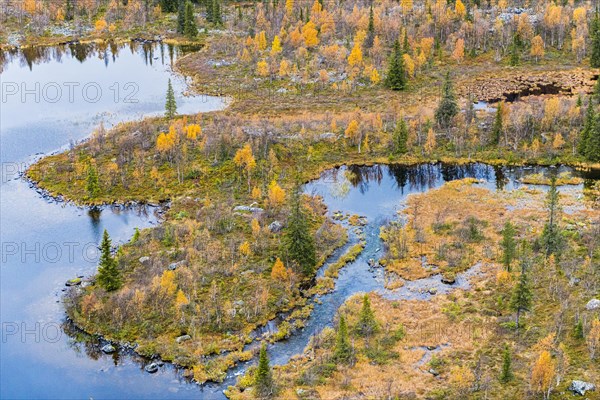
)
(593, 142)
(181, 17)
(169, 6)
(497, 127)
(264, 378)
(521, 296)
(299, 240)
(507, 373)
(370, 30)
(171, 104)
(108, 274)
(508, 244)
(216, 12)
(92, 184)
(588, 129)
(343, 350)
(551, 235)
(595, 36)
(448, 107)
(515, 49)
(209, 10)
(400, 137)
(578, 330)
(396, 76)
(190, 30)
(367, 324)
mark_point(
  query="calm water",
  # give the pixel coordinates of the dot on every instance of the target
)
(43, 243)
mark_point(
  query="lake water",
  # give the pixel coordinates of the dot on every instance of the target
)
(46, 243)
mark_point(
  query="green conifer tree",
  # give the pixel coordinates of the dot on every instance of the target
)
(508, 244)
(497, 127)
(589, 127)
(400, 137)
(595, 36)
(171, 104)
(367, 324)
(181, 17)
(92, 183)
(521, 296)
(109, 276)
(507, 373)
(448, 107)
(299, 240)
(552, 235)
(343, 350)
(396, 76)
(189, 29)
(264, 377)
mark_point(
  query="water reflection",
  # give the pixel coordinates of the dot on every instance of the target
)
(107, 51)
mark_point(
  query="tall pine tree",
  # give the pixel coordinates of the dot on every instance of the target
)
(508, 244)
(171, 104)
(343, 350)
(400, 137)
(595, 35)
(181, 17)
(367, 324)
(396, 76)
(189, 29)
(92, 185)
(552, 235)
(589, 127)
(497, 127)
(300, 242)
(448, 107)
(507, 373)
(109, 276)
(263, 378)
(521, 296)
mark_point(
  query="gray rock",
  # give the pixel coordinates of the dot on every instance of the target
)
(433, 372)
(175, 265)
(580, 387)
(432, 290)
(183, 338)
(593, 304)
(248, 209)
(151, 368)
(108, 348)
(275, 227)
(239, 303)
(144, 260)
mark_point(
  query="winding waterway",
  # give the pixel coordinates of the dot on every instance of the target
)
(45, 243)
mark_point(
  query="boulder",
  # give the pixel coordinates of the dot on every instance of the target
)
(580, 387)
(248, 209)
(144, 260)
(151, 368)
(175, 265)
(275, 227)
(433, 372)
(183, 338)
(432, 290)
(108, 348)
(593, 304)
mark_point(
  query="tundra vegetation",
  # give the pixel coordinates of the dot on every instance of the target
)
(313, 86)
